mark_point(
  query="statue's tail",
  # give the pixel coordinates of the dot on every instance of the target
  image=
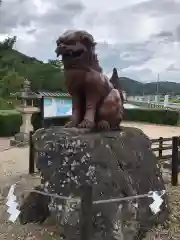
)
(116, 83)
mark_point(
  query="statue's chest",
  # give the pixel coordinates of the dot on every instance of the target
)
(75, 80)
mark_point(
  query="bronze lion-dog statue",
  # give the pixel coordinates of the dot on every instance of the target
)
(96, 102)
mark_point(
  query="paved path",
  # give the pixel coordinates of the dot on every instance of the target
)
(155, 130)
(4, 143)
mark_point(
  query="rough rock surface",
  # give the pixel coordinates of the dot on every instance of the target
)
(116, 163)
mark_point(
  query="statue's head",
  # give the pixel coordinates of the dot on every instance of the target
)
(72, 45)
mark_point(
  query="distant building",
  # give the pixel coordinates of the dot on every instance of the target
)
(124, 96)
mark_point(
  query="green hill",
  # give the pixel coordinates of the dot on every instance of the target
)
(133, 87)
(15, 66)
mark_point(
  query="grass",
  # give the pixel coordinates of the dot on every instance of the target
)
(174, 100)
(8, 112)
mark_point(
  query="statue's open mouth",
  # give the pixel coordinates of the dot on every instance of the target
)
(68, 52)
(73, 54)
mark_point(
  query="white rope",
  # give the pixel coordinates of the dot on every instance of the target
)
(14, 212)
(54, 195)
(149, 194)
(121, 199)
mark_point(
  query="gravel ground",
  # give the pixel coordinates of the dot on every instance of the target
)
(12, 231)
(14, 169)
(49, 231)
(171, 230)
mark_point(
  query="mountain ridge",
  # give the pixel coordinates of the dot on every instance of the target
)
(133, 87)
(49, 76)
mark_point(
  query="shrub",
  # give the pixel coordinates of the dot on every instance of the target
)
(36, 121)
(159, 116)
(10, 122)
(175, 100)
(5, 104)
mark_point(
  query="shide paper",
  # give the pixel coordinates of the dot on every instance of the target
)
(12, 204)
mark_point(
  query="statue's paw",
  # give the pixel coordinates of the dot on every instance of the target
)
(70, 124)
(103, 125)
(86, 124)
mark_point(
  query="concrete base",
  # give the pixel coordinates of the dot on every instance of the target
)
(20, 140)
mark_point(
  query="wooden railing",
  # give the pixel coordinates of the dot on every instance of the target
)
(162, 146)
(174, 156)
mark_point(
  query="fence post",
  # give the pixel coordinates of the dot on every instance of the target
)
(174, 174)
(86, 213)
(160, 146)
(31, 154)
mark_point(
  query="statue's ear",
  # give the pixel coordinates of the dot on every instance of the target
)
(59, 40)
(88, 40)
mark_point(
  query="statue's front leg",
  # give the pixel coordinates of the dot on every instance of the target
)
(89, 117)
(76, 112)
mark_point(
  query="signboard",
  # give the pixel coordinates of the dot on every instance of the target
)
(61, 107)
(57, 107)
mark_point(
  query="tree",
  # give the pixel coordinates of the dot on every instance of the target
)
(45, 77)
(57, 64)
(11, 83)
(9, 42)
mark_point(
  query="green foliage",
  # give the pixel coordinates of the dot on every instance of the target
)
(56, 64)
(11, 83)
(36, 121)
(49, 76)
(43, 76)
(6, 105)
(10, 122)
(158, 116)
(15, 66)
(8, 43)
(174, 100)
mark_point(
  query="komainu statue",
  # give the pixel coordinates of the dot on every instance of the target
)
(96, 103)
(115, 164)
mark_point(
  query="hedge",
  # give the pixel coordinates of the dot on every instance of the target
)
(158, 116)
(5, 104)
(10, 120)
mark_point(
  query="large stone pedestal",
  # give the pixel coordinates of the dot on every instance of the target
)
(116, 164)
(22, 138)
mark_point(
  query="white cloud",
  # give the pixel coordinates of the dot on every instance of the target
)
(165, 56)
(139, 37)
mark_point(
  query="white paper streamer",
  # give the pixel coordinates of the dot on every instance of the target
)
(155, 206)
(14, 212)
(12, 204)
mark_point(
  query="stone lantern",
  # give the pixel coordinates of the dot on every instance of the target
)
(26, 109)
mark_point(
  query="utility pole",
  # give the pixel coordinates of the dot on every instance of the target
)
(157, 89)
(157, 85)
